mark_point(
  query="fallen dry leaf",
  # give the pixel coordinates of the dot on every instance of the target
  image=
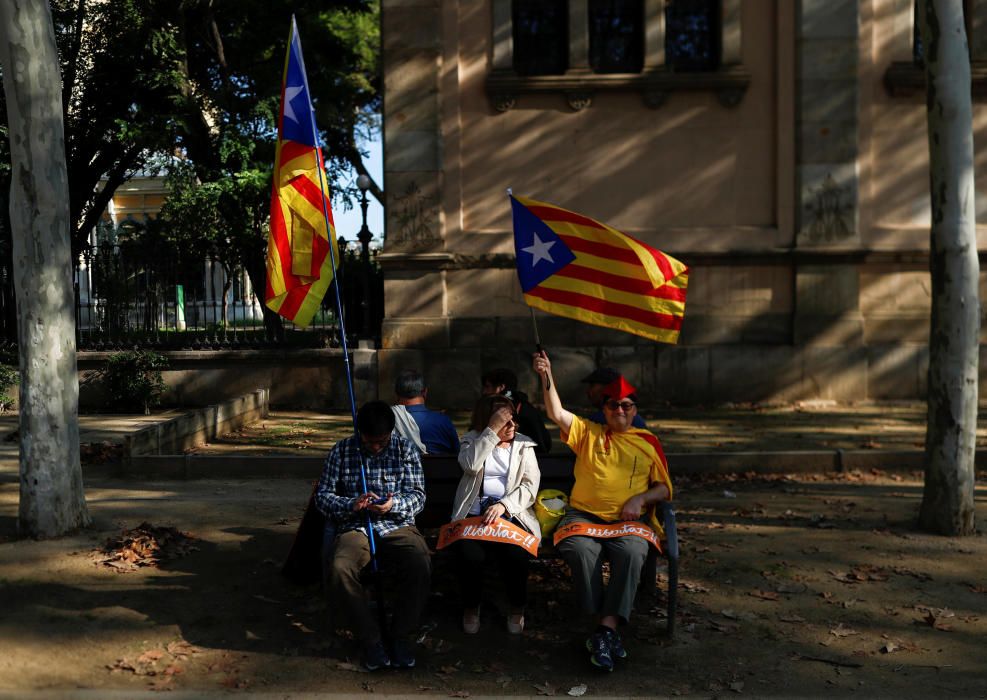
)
(459, 694)
(545, 689)
(842, 630)
(763, 595)
(843, 577)
(145, 545)
(161, 683)
(182, 649)
(347, 666)
(150, 656)
(121, 665)
(889, 648)
(577, 691)
(936, 621)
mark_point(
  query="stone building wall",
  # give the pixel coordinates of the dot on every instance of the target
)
(791, 179)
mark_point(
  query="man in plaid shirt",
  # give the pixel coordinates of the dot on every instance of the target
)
(395, 494)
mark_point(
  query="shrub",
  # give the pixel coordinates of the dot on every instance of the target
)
(133, 379)
(9, 378)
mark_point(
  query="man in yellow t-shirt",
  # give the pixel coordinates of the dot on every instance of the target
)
(620, 473)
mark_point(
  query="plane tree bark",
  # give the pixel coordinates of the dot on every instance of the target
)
(954, 339)
(52, 501)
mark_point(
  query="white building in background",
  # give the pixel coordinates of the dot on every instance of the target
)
(137, 201)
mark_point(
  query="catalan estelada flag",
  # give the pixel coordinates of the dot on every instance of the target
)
(299, 268)
(573, 266)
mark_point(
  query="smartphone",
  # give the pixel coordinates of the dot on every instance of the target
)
(379, 500)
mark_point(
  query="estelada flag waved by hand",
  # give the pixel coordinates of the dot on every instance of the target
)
(299, 267)
(573, 266)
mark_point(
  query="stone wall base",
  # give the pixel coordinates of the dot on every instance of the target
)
(681, 374)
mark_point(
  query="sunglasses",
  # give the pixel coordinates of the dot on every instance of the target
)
(625, 406)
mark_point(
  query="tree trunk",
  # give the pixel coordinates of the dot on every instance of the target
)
(950, 444)
(52, 501)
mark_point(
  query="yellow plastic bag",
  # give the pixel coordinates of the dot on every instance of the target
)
(550, 513)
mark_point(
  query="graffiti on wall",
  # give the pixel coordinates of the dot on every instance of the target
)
(829, 213)
(413, 214)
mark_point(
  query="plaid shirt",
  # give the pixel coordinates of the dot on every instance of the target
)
(396, 469)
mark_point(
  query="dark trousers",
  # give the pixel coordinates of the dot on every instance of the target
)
(511, 561)
(401, 554)
(585, 557)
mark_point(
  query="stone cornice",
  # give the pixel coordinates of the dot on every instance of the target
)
(764, 256)
(904, 79)
(730, 83)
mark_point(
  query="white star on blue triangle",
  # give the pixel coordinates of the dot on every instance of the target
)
(297, 124)
(539, 250)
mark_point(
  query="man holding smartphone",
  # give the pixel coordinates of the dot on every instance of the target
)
(394, 495)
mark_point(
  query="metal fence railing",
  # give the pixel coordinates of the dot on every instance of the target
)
(127, 297)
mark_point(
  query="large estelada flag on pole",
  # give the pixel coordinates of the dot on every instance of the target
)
(299, 267)
(573, 266)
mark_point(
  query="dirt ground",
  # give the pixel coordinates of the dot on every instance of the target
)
(806, 586)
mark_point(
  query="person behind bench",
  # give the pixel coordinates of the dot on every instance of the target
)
(394, 473)
(431, 431)
(529, 421)
(620, 472)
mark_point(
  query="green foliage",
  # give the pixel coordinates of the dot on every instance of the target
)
(201, 78)
(224, 219)
(9, 378)
(133, 379)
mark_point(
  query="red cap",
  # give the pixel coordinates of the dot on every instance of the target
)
(619, 389)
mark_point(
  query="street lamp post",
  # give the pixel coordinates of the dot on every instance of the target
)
(363, 182)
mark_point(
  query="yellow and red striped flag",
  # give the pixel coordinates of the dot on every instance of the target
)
(573, 266)
(299, 267)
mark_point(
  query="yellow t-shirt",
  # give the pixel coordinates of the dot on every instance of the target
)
(610, 468)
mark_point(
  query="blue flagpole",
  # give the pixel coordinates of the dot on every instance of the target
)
(339, 313)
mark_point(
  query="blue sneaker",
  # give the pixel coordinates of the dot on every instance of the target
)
(375, 656)
(600, 650)
(402, 654)
(617, 649)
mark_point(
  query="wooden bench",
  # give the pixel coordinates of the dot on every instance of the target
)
(442, 475)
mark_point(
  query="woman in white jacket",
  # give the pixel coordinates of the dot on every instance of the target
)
(500, 480)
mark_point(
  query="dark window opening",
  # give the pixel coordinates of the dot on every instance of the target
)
(541, 36)
(692, 35)
(616, 36)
